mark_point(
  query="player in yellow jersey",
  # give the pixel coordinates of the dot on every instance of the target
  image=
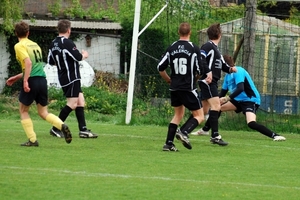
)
(29, 55)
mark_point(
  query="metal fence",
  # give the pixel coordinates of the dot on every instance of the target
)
(275, 70)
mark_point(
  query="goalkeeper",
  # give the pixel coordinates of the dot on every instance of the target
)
(244, 97)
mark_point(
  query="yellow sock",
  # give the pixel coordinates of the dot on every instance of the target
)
(54, 120)
(28, 128)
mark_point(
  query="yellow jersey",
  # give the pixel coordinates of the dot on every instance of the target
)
(26, 48)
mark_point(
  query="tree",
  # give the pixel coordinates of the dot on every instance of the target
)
(10, 11)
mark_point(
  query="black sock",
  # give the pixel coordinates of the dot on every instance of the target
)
(214, 124)
(191, 124)
(79, 111)
(64, 113)
(262, 129)
(206, 126)
(171, 133)
(184, 125)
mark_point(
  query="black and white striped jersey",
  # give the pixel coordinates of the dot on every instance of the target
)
(64, 54)
(184, 59)
(214, 60)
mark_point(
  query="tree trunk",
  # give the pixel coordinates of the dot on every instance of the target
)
(249, 35)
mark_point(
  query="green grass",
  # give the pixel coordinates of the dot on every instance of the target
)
(126, 162)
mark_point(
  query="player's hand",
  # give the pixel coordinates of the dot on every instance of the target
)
(26, 86)
(224, 99)
(208, 78)
(168, 81)
(85, 54)
(11, 81)
(233, 69)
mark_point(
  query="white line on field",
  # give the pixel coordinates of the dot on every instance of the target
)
(206, 139)
(87, 174)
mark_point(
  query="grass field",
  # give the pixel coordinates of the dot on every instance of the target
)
(127, 162)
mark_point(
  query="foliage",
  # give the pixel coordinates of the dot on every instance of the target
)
(106, 96)
(294, 16)
(75, 10)
(55, 8)
(10, 11)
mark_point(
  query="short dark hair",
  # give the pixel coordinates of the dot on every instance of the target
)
(63, 25)
(214, 31)
(184, 29)
(229, 60)
(21, 29)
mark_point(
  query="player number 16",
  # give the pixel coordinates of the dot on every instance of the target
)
(180, 65)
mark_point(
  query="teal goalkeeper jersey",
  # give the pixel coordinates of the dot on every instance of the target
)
(250, 92)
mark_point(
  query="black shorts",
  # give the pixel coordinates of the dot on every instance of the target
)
(72, 90)
(189, 99)
(38, 92)
(208, 90)
(244, 106)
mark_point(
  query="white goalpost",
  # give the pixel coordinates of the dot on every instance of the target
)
(135, 37)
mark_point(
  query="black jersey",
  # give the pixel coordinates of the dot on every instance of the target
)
(64, 54)
(215, 60)
(184, 59)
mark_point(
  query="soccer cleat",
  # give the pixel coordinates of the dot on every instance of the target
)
(168, 147)
(56, 133)
(184, 139)
(218, 140)
(87, 134)
(30, 144)
(180, 130)
(67, 133)
(200, 132)
(278, 138)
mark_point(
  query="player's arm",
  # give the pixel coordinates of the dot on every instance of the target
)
(165, 76)
(235, 93)
(205, 69)
(74, 52)
(11, 80)
(223, 92)
(27, 71)
(162, 66)
(50, 58)
(226, 68)
(239, 89)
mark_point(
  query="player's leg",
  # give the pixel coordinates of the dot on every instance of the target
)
(209, 93)
(25, 100)
(205, 94)
(214, 115)
(84, 132)
(27, 126)
(191, 101)
(173, 125)
(56, 122)
(179, 113)
(251, 122)
(215, 108)
(172, 128)
(66, 110)
(205, 129)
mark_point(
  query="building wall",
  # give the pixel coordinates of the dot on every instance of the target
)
(41, 6)
(103, 53)
(4, 60)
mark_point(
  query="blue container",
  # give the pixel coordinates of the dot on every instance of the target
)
(282, 104)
